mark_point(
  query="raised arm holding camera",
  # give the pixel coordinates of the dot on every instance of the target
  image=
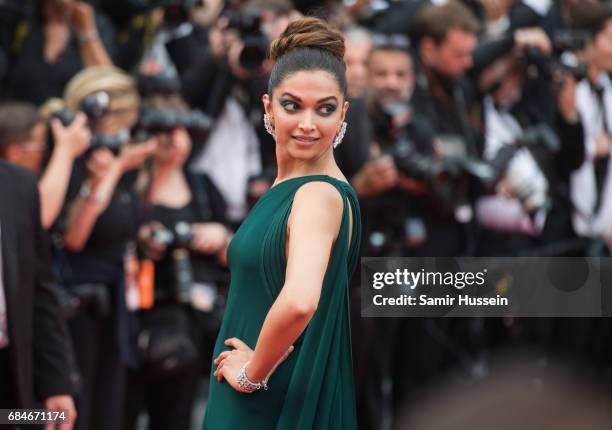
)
(102, 217)
(23, 142)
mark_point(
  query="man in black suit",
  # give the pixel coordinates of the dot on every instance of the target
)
(34, 364)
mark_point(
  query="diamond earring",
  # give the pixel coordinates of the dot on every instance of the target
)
(268, 125)
(340, 135)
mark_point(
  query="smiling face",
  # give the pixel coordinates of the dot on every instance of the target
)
(306, 110)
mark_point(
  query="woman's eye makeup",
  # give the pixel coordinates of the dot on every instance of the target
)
(324, 109)
(289, 105)
(328, 108)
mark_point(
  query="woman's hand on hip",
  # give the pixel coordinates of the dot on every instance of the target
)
(230, 362)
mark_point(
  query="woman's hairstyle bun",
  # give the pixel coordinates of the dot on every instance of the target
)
(308, 44)
(308, 32)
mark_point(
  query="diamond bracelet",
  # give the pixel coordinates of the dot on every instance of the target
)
(246, 384)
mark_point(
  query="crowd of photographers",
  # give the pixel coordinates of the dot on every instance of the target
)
(476, 128)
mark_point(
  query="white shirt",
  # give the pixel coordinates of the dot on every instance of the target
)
(541, 7)
(3, 323)
(584, 190)
(498, 212)
(230, 157)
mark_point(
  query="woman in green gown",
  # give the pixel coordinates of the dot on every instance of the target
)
(283, 355)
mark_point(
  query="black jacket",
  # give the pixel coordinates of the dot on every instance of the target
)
(38, 337)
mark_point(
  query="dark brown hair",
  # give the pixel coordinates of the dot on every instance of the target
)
(437, 21)
(592, 18)
(17, 119)
(308, 44)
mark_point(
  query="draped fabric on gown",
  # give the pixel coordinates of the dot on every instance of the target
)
(313, 388)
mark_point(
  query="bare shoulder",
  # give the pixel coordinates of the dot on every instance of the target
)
(318, 202)
(318, 194)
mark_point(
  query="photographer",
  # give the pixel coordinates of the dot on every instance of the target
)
(50, 47)
(23, 141)
(34, 351)
(534, 149)
(390, 203)
(591, 184)
(385, 191)
(187, 240)
(226, 83)
(449, 65)
(102, 216)
(447, 98)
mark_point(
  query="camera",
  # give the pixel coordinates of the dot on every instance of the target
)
(565, 44)
(446, 176)
(177, 241)
(92, 298)
(410, 141)
(439, 171)
(94, 106)
(153, 121)
(522, 174)
(248, 24)
(569, 40)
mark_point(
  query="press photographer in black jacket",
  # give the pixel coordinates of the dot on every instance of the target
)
(34, 352)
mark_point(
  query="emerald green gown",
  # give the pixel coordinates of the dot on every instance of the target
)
(313, 389)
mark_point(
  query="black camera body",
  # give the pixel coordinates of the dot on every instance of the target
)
(92, 298)
(177, 242)
(438, 171)
(248, 24)
(94, 106)
(178, 237)
(411, 144)
(153, 121)
(565, 44)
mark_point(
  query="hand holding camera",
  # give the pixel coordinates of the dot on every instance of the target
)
(75, 137)
(209, 238)
(148, 236)
(376, 176)
(104, 172)
(132, 155)
(533, 38)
